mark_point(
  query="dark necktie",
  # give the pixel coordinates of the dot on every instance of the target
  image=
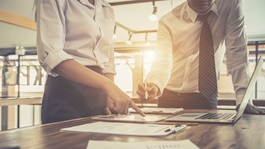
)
(207, 73)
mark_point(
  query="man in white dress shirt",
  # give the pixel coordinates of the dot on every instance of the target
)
(174, 76)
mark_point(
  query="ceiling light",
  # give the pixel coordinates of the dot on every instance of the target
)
(153, 17)
(114, 33)
(129, 41)
(114, 36)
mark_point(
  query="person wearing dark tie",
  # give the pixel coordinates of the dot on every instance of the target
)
(192, 41)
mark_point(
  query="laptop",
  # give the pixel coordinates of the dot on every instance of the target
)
(221, 116)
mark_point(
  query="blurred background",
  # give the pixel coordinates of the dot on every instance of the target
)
(134, 38)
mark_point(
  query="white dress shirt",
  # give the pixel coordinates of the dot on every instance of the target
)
(75, 29)
(177, 55)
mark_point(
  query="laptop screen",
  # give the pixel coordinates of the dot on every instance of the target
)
(250, 88)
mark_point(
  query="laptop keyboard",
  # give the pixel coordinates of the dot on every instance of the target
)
(216, 116)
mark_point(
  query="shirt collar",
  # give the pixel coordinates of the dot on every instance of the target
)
(85, 2)
(193, 15)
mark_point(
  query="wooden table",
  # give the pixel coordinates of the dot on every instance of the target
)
(247, 133)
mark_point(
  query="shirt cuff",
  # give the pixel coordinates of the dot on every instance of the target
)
(109, 68)
(53, 59)
(160, 85)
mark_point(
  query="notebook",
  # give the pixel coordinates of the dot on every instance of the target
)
(221, 116)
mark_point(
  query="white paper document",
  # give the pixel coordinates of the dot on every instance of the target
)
(133, 129)
(130, 118)
(183, 144)
(157, 110)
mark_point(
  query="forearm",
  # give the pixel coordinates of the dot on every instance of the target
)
(240, 79)
(110, 76)
(72, 70)
(163, 58)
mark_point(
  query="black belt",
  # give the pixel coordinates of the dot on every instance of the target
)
(182, 94)
(186, 94)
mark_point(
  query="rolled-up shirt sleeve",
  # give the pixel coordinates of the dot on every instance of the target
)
(51, 34)
(162, 64)
(236, 50)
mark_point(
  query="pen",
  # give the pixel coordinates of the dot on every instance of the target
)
(177, 128)
(176, 124)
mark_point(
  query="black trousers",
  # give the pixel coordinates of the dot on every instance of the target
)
(170, 99)
(64, 100)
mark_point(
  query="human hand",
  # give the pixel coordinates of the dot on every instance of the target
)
(109, 109)
(147, 91)
(119, 102)
(252, 109)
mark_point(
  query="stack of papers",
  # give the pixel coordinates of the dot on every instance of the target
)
(184, 144)
(132, 129)
(130, 118)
